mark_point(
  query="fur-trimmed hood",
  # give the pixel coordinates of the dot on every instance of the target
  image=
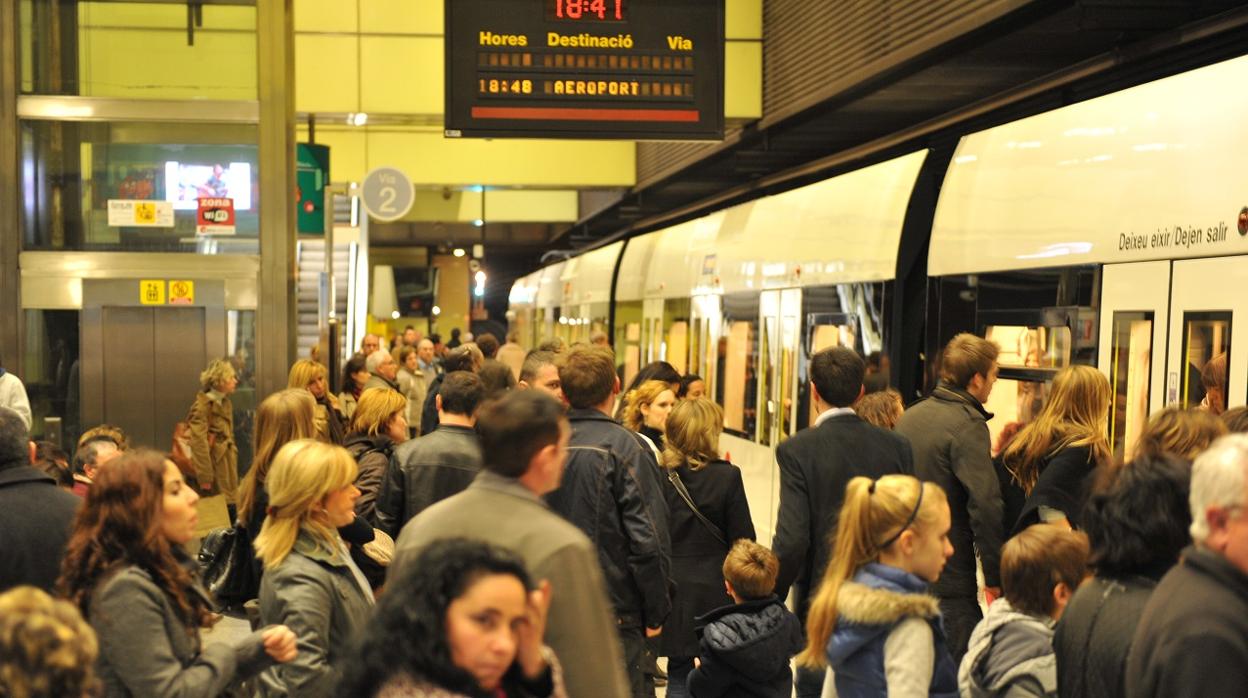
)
(873, 603)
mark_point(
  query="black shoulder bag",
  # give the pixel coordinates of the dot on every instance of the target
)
(679, 484)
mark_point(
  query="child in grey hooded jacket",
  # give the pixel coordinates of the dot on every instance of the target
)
(1010, 654)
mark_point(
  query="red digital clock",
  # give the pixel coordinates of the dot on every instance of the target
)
(588, 10)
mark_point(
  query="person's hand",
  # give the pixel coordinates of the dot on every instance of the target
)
(991, 594)
(279, 643)
(654, 632)
(531, 631)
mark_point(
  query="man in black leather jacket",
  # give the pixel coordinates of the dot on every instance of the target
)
(611, 491)
(440, 464)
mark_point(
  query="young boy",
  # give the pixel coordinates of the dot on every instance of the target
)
(1011, 649)
(746, 647)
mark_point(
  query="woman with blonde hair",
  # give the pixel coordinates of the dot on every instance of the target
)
(380, 424)
(1047, 466)
(211, 423)
(645, 411)
(1185, 433)
(892, 541)
(313, 377)
(707, 513)
(128, 573)
(310, 583)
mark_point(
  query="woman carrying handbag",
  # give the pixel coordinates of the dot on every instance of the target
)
(707, 511)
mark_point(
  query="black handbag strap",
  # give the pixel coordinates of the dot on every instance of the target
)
(679, 484)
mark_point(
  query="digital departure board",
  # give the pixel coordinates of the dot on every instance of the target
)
(625, 69)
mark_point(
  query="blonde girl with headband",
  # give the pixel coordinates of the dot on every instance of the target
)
(310, 581)
(872, 620)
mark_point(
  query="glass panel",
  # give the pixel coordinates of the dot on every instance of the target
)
(1130, 375)
(737, 389)
(1013, 401)
(240, 333)
(676, 333)
(50, 372)
(71, 170)
(628, 338)
(788, 361)
(1031, 347)
(140, 50)
(1206, 346)
(767, 376)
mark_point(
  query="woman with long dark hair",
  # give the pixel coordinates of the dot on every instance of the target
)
(126, 570)
(463, 620)
(354, 375)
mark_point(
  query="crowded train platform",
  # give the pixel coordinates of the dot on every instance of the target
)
(623, 348)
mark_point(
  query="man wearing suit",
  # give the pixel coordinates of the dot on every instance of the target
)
(815, 466)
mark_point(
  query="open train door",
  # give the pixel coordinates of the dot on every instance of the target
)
(1135, 308)
(1208, 317)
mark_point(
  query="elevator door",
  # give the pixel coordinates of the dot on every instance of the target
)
(151, 363)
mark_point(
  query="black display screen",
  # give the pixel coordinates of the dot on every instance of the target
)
(611, 69)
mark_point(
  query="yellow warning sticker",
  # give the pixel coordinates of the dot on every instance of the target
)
(181, 292)
(145, 213)
(152, 292)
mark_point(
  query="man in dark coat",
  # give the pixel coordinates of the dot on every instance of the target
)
(611, 491)
(438, 465)
(815, 466)
(1192, 639)
(948, 431)
(35, 514)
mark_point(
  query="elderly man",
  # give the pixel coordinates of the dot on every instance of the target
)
(93, 453)
(384, 370)
(1192, 639)
(429, 368)
(35, 514)
(370, 344)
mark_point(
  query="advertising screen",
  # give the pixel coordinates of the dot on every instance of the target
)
(187, 182)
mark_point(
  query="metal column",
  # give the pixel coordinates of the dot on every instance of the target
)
(275, 60)
(10, 234)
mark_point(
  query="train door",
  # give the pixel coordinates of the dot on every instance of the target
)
(1135, 307)
(780, 325)
(1208, 304)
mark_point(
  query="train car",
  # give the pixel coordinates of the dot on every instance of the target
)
(1110, 232)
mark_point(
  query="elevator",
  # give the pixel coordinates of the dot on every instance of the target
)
(141, 360)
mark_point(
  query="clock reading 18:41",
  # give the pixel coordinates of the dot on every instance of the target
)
(597, 10)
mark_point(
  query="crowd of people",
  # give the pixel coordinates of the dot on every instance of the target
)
(482, 520)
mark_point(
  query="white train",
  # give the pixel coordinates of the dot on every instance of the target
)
(1112, 232)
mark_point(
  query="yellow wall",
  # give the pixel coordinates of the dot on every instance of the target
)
(140, 50)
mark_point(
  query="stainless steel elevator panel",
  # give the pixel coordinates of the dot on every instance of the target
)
(141, 364)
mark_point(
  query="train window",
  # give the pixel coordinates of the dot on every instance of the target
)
(1206, 348)
(71, 171)
(628, 338)
(50, 371)
(1130, 372)
(676, 333)
(1013, 403)
(737, 356)
(1031, 347)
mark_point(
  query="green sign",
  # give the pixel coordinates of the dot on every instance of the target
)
(311, 176)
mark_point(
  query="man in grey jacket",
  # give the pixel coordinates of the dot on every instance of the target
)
(427, 470)
(948, 432)
(524, 442)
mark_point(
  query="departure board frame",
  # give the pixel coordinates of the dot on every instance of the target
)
(590, 69)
